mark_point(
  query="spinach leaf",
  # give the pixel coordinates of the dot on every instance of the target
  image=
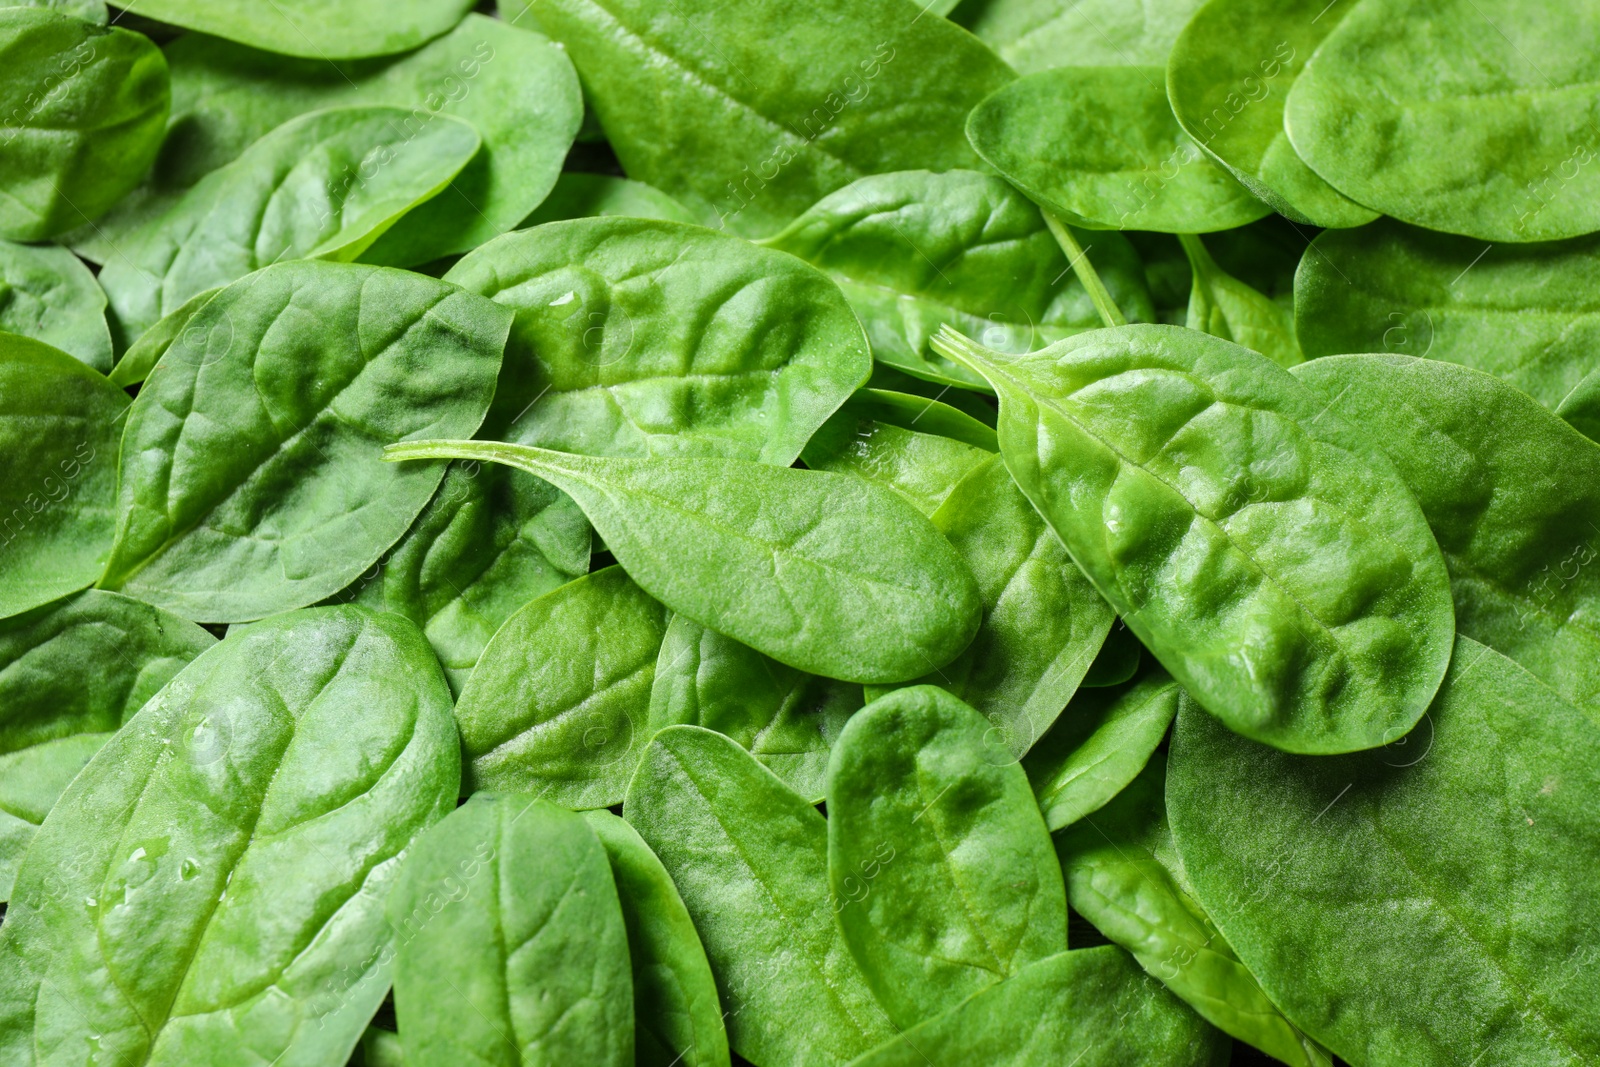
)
(749, 113)
(915, 250)
(1100, 743)
(1479, 139)
(1118, 659)
(60, 423)
(510, 942)
(321, 29)
(580, 196)
(1225, 307)
(517, 89)
(322, 186)
(1265, 551)
(219, 868)
(1124, 876)
(1511, 493)
(787, 719)
(84, 108)
(1469, 851)
(1089, 1008)
(491, 539)
(976, 403)
(556, 705)
(1524, 313)
(48, 294)
(143, 355)
(941, 870)
(88, 10)
(1099, 147)
(750, 858)
(641, 337)
(1035, 35)
(1228, 76)
(919, 448)
(677, 1015)
(827, 573)
(31, 781)
(250, 480)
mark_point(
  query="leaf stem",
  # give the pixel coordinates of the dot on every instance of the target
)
(1078, 260)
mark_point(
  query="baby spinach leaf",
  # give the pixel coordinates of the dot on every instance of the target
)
(915, 250)
(320, 29)
(1089, 1008)
(1228, 76)
(1124, 876)
(516, 89)
(1099, 147)
(1512, 494)
(511, 946)
(750, 858)
(88, 10)
(321, 186)
(1118, 659)
(1035, 35)
(969, 402)
(749, 113)
(1524, 313)
(640, 337)
(1469, 851)
(47, 294)
(919, 448)
(491, 539)
(217, 872)
(941, 870)
(1481, 139)
(580, 196)
(31, 781)
(827, 573)
(1225, 307)
(1264, 550)
(60, 423)
(1100, 743)
(557, 703)
(83, 107)
(678, 1018)
(787, 719)
(143, 355)
(250, 480)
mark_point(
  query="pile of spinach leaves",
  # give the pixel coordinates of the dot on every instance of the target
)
(893, 534)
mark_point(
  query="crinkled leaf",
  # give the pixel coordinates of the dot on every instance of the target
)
(47, 294)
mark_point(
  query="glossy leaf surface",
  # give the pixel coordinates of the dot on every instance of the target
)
(47, 294)
(320, 29)
(1035, 35)
(578, 195)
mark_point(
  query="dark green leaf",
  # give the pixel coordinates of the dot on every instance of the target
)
(580, 196)
(141, 358)
(1225, 307)
(47, 294)
(1118, 659)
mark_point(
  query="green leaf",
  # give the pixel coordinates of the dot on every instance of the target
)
(1348, 886)
(511, 945)
(88, 10)
(1035, 35)
(969, 402)
(321, 186)
(491, 539)
(320, 29)
(47, 294)
(251, 481)
(787, 719)
(1480, 139)
(580, 196)
(941, 870)
(84, 108)
(915, 250)
(219, 868)
(1264, 550)
(1124, 876)
(1088, 1008)
(1225, 307)
(1228, 76)
(557, 703)
(749, 857)
(1524, 313)
(60, 424)
(31, 781)
(1118, 659)
(516, 89)
(678, 1018)
(1099, 147)
(749, 113)
(1100, 744)
(640, 337)
(1512, 494)
(827, 573)
(143, 355)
